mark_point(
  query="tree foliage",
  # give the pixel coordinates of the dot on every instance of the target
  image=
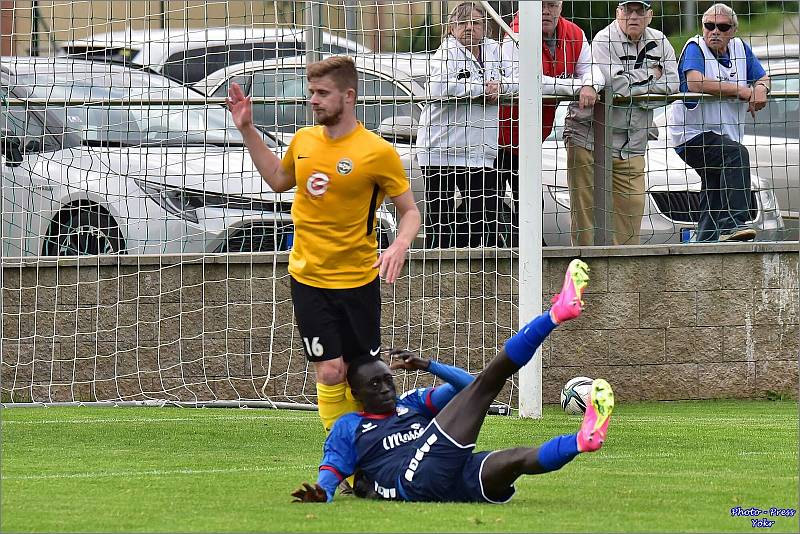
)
(593, 16)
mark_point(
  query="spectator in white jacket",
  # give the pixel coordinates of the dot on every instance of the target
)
(457, 137)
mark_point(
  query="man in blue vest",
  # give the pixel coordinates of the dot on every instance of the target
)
(708, 134)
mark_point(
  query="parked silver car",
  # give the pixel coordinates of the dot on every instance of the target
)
(188, 55)
(673, 189)
(141, 177)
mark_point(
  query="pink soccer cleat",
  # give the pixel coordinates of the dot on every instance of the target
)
(568, 304)
(598, 413)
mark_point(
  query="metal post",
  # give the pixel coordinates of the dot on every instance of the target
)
(689, 10)
(351, 16)
(313, 41)
(603, 167)
(163, 8)
(530, 196)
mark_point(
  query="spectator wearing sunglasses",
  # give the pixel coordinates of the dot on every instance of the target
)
(708, 134)
(634, 60)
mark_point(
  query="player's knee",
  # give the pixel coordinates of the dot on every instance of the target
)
(331, 372)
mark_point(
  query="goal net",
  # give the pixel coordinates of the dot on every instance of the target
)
(145, 261)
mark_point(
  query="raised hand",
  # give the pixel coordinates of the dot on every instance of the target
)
(404, 359)
(309, 493)
(240, 107)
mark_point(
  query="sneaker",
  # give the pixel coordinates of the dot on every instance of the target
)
(568, 304)
(598, 413)
(739, 234)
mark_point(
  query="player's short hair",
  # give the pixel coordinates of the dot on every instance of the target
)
(357, 363)
(341, 69)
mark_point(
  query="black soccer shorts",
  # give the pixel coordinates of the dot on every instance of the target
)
(337, 323)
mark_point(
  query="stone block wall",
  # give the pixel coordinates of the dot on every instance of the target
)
(661, 323)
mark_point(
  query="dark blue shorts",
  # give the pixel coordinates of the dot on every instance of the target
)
(442, 470)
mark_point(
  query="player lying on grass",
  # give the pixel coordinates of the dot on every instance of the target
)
(420, 447)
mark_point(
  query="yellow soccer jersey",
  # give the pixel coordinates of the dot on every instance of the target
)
(340, 184)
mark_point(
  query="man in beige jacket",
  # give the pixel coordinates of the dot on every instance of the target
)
(635, 60)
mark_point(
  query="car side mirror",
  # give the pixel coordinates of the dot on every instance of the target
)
(398, 128)
(11, 147)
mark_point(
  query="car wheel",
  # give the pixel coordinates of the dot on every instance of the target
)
(82, 231)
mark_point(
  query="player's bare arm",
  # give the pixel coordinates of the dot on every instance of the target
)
(267, 163)
(390, 263)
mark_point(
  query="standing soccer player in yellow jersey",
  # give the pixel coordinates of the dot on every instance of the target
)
(342, 173)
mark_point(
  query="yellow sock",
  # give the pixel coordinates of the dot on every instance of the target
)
(332, 403)
(354, 404)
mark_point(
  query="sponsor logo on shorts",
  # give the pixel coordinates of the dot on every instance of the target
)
(374, 352)
(317, 184)
(398, 438)
(418, 456)
(386, 493)
(344, 167)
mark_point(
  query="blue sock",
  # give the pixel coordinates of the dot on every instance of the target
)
(558, 452)
(522, 345)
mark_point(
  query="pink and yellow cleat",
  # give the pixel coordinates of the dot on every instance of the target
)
(598, 414)
(568, 304)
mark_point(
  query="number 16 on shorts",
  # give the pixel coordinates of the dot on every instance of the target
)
(313, 347)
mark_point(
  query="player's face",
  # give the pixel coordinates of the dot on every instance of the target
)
(327, 100)
(373, 385)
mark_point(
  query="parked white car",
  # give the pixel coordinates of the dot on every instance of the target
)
(773, 140)
(188, 55)
(136, 178)
(673, 189)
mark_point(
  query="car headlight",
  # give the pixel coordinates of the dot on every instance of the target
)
(765, 193)
(174, 200)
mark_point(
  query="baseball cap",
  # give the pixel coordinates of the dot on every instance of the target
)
(645, 4)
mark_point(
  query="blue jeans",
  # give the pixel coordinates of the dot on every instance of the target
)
(724, 167)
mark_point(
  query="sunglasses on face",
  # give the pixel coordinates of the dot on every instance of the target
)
(721, 27)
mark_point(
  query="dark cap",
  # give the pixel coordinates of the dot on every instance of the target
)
(645, 4)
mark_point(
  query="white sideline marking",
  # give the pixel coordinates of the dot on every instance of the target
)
(153, 473)
(676, 474)
(159, 420)
(622, 419)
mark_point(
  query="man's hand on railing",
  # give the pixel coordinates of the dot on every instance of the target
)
(758, 99)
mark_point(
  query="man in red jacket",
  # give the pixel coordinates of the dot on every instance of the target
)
(567, 71)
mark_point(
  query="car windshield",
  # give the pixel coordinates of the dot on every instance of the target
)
(137, 123)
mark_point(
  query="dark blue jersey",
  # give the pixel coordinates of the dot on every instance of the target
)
(378, 444)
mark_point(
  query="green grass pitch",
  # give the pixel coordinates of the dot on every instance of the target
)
(666, 467)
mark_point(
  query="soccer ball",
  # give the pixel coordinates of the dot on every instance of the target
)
(575, 395)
